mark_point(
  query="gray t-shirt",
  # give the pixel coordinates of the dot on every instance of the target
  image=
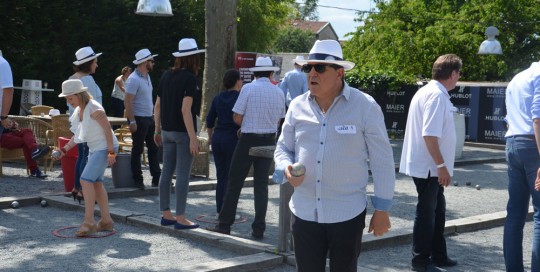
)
(141, 87)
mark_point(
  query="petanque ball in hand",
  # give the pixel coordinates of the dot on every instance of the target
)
(56, 154)
(298, 169)
(44, 203)
(15, 204)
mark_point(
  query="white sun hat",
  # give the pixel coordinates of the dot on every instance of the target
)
(84, 55)
(142, 56)
(263, 64)
(327, 51)
(186, 47)
(72, 86)
(297, 59)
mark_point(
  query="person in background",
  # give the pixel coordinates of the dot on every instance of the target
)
(428, 157)
(85, 66)
(6, 92)
(140, 117)
(295, 82)
(337, 132)
(119, 91)
(177, 104)
(523, 159)
(89, 121)
(15, 137)
(257, 111)
(223, 136)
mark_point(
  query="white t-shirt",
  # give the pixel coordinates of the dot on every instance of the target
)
(430, 114)
(6, 78)
(89, 130)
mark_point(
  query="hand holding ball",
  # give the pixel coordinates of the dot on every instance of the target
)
(297, 169)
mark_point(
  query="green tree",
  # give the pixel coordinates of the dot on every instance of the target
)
(292, 39)
(408, 35)
(259, 22)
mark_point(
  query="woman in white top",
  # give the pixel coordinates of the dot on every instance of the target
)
(119, 92)
(90, 125)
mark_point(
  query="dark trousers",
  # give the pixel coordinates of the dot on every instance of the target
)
(341, 241)
(240, 166)
(428, 230)
(118, 107)
(82, 159)
(144, 133)
(223, 153)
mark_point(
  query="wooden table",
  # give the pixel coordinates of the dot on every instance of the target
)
(285, 192)
(114, 121)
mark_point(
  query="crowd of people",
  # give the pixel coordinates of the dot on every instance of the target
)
(315, 118)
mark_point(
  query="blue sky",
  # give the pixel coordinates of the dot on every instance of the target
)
(342, 20)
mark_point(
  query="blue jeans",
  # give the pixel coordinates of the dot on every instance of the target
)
(523, 163)
(82, 159)
(428, 230)
(176, 156)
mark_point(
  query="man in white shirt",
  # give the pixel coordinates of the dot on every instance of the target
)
(338, 133)
(6, 93)
(428, 157)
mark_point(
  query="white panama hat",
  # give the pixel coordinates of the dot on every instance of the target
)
(84, 55)
(72, 86)
(327, 51)
(297, 59)
(186, 47)
(142, 56)
(263, 64)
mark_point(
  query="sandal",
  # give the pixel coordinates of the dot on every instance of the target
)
(86, 230)
(105, 226)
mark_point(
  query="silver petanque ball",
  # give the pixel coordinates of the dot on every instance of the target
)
(44, 203)
(56, 154)
(298, 169)
(477, 187)
(15, 204)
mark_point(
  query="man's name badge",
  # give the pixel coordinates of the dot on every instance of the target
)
(346, 129)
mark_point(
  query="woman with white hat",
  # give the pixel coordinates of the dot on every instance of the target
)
(84, 67)
(90, 125)
(178, 102)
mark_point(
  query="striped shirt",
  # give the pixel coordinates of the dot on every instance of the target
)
(337, 148)
(262, 105)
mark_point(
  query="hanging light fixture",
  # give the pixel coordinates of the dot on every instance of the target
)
(154, 8)
(490, 46)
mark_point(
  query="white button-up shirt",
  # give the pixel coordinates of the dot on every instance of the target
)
(430, 114)
(523, 101)
(337, 148)
(262, 105)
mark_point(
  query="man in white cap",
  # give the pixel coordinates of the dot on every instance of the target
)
(337, 132)
(140, 117)
(257, 111)
(294, 82)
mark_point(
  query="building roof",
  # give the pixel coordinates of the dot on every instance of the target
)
(312, 26)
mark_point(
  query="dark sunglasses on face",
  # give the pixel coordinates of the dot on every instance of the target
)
(319, 67)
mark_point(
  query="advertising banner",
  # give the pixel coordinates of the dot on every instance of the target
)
(244, 61)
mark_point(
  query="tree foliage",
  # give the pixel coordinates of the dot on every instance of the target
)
(408, 35)
(259, 22)
(292, 39)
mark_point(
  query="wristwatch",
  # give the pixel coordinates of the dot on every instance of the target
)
(131, 122)
(3, 117)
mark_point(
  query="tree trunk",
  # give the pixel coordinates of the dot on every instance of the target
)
(220, 18)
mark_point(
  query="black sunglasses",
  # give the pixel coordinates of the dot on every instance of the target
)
(319, 67)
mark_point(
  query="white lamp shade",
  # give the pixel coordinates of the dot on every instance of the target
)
(154, 8)
(490, 46)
